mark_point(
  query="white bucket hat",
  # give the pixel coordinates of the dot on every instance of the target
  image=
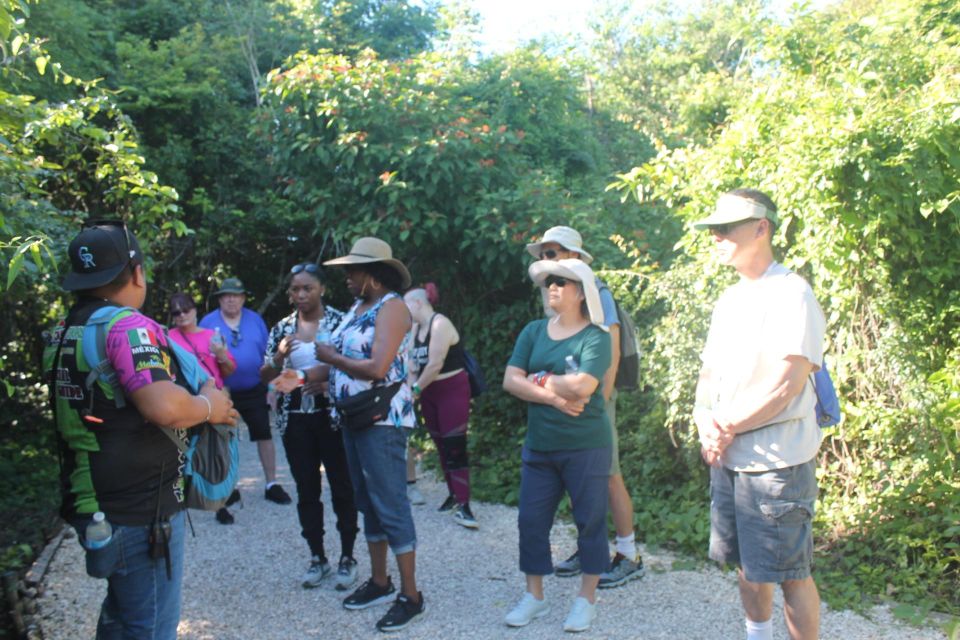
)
(578, 271)
(566, 237)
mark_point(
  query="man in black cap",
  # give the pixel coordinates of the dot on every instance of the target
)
(246, 335)
(121, 476)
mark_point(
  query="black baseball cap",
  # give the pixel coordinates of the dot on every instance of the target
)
(99, 253)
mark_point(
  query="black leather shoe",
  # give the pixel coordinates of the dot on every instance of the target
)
(276, 494)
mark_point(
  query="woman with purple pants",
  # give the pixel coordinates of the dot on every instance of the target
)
(442, 386)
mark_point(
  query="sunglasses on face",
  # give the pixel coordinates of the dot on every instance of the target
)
(309, 267)
(556, 280)
(176, 313)
(727, 228)
(235, 337)
(549, 254)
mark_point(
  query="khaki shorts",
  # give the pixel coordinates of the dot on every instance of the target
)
(611, 408)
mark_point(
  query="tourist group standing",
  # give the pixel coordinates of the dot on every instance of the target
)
(351, 386)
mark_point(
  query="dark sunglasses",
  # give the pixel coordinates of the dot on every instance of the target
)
(557, 280)
(235, 337)
(309, 267)
(549, 254)
(176, 313)
(725, 229)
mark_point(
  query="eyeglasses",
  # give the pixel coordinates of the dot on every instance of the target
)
(309, 267)
(726, 228)
(235, 337)
(176, 313)
(549, 254)
(556, 280)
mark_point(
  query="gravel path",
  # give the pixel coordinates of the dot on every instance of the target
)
(243, 582)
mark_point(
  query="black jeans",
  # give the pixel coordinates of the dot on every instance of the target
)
(309, 442)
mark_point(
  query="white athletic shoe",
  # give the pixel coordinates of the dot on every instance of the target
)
(528, 609)
(581, 616)
(316, 573)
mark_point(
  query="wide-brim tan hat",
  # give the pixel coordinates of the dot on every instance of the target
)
(566, 237)
(732, 208)
(576, 270)
(368, 250)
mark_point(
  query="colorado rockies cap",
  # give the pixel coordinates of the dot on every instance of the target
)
(99, 253)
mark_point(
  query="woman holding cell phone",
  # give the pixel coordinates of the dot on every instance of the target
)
(303, 420)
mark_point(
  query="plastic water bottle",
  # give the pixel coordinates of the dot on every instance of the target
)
(306, 402)
(99, 532)
(323, 337)
(572, 366)
(217, 337)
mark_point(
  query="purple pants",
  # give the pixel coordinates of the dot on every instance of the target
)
(445, 406)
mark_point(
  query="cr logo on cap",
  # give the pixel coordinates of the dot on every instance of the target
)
(87, 258)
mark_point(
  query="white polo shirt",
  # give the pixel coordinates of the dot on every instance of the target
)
(755, 325)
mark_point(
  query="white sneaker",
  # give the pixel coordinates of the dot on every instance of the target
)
(346, 573)
(529, 608)
(414, 495)
(581, 616)
(316, 573)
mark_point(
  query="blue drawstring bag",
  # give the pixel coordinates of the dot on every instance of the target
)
(828, 404)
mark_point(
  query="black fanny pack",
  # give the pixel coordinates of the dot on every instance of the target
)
(361, 410)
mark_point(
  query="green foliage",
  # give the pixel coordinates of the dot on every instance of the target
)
(673, 74)
(854, 129)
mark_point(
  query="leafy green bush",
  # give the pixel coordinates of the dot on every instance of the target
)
(854, 130)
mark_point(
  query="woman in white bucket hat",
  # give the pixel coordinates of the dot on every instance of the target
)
(557, 367)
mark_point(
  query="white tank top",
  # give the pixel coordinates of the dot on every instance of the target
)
(303, 355)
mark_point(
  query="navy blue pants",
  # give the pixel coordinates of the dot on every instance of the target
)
(584, 474)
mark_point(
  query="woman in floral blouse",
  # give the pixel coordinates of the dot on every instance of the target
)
(369, 350)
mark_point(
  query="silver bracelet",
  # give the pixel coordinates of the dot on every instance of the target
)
(209, 407)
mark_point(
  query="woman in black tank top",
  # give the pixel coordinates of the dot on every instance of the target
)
(441, 385)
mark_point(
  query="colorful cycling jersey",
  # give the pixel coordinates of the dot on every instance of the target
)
(113, 459)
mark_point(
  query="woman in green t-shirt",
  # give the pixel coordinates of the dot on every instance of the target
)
(557, 367)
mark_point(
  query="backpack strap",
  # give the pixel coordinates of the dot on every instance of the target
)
(178, 373)
(183, 446)
(95, 352)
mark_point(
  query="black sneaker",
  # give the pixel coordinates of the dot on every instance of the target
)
(448, 505)
(369, 594)
(276, 494)
(401, 613)
(224, 516)
(233, 499)
(464, 517)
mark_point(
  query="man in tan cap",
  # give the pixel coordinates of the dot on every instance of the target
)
(755, 415)
(556, 244)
